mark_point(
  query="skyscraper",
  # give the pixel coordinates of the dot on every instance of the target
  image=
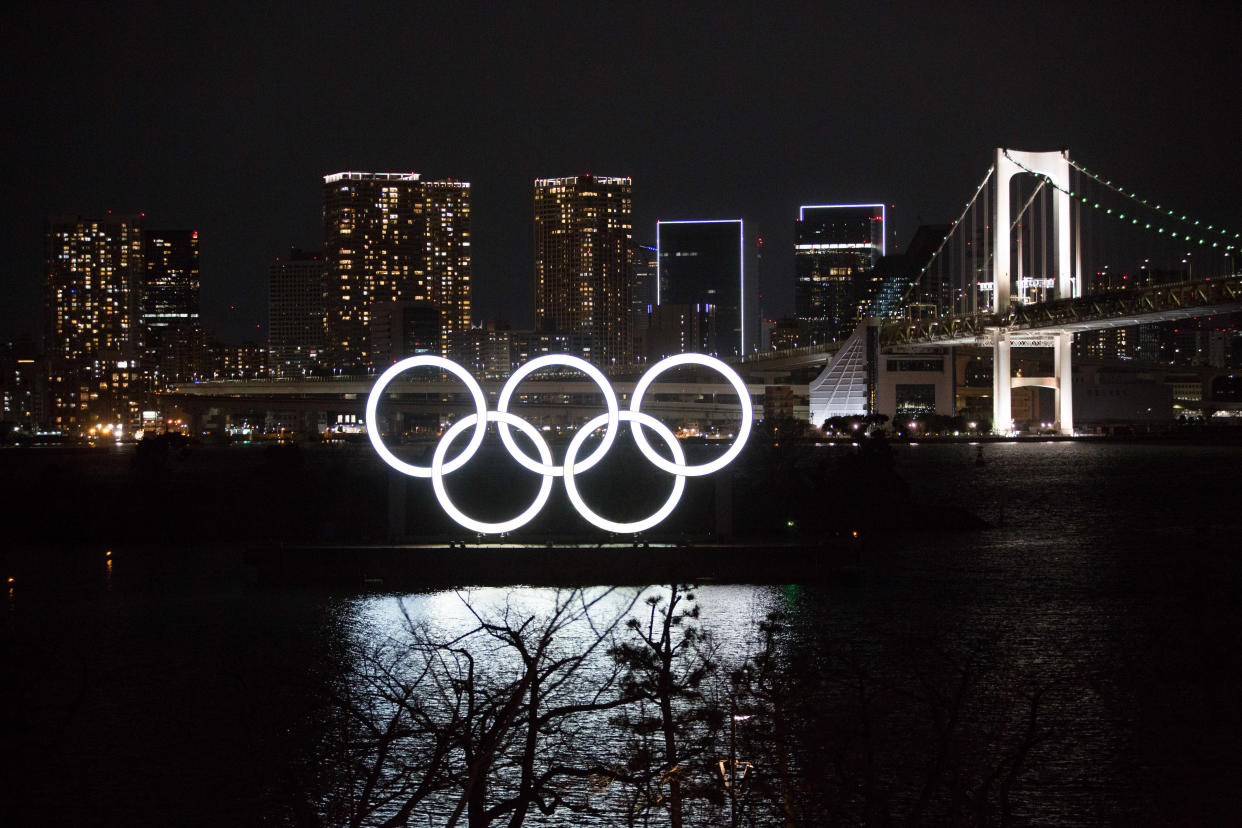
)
(643, 271)
(583, 229)
(295, 286)
(403, 329)
(171, 331)
(899, 273)
(836, 248)
(702, 271)
(391, 237)
(94, 271)
(446, 239)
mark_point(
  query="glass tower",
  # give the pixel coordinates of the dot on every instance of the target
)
(701, 272)
(171, 331)
(836, 248)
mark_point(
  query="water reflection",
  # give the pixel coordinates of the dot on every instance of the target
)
(1077, 663)
(725, 608)
(617, 707)
(606, 703)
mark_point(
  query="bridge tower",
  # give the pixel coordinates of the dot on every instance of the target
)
(1056, 167)
(1066, 285)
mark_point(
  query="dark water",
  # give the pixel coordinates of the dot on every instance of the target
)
(169, 688)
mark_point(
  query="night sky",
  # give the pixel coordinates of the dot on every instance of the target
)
(223, 117)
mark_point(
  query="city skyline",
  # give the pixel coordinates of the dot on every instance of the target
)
(946, 543)
(227, 125)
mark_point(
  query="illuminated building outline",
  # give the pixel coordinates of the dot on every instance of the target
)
(883, 221)
(741, 267)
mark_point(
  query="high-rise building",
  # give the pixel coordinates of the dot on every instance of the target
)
(236, 362)
(295, 286)
(391, 237)
(486, 351)
(836, 248)
(901, 292)
(94, 269)
(702, 273)
(171, 330)
(446, 234)
(403, 329)
(644, 268)
(583, 229)
(20, 385)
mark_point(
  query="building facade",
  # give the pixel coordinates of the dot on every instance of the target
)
(446, 239)
(404, 329)
(237, 362)
(391, 237)
(21, 386)
(171, 328)
(836, 248)
(702, 274)
(295, 308)
(583, 232)
(644, 269)
(94, 269)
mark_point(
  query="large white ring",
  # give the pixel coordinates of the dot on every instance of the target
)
(377, 390)
(610, 402)
(611, 420)
(571, 487)
(439, 469)
(743, 430)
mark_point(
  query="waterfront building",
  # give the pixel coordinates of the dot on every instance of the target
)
(171, 329)
(485, 351)
(785, 333)
(898, 273)
(238, 362)
(583, 235)
(680, 328)
(702, 274)
(295, 306)
(526, 345)
(94, 267)
(20, 386)
(836, 249)
(447, 250)
(392, 237)
(644, 270)
(403, 329)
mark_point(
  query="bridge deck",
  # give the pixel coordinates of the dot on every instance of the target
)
(1155, 303)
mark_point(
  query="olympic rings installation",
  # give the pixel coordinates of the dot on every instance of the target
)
(610, 421)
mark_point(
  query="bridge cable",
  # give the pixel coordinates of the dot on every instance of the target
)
(989, 235)
(917, 279)
(1150, 205)
(1122, 216)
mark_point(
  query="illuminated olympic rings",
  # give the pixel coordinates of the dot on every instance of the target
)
(610, 421)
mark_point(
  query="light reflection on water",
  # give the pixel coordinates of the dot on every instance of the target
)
(1092, 589)
(1109, 579)
(730, 614)
(725, 608)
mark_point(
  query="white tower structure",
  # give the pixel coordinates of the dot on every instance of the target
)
(1066, 285)
(1054, 165)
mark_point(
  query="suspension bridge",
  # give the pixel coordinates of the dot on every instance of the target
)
(1043, 250)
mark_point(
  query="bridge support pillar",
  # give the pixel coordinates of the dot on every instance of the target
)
(1062, 349)
(1002, 390)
